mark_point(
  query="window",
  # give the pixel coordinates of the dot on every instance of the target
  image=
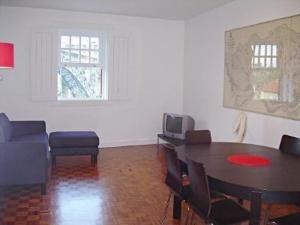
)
(82, 69)
(264, 56)
(265, 73)
(80, 65)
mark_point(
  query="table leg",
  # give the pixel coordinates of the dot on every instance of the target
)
(255, 208)
(176, 208)
(267, 214)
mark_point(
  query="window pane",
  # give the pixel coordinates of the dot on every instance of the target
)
(269, 50)
(75, 42)
(274, 53)
(268, 62)
(74, 56)
(256, 50)
(85, 42)
(262, 50)
(65, 42)
(65, 56)
(94, 43)
(262, 62)
(84, 57)
(255, 61)
(79, 83)
(274, 64)
(94, 57)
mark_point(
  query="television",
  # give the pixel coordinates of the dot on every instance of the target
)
(175, 125)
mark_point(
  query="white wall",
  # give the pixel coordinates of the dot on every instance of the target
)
(204, 70)
(158, 47)
(161, 48)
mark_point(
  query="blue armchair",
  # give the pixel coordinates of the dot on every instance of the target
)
(24, 152)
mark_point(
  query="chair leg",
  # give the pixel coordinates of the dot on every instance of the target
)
(43, 189)
(192, 218)
(166, 209)
(94, 160)
(240, 201)
(208, 223)
(53, 157)
(177, 208)
(187, 216)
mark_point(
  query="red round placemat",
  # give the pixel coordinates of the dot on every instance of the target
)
(249, 160)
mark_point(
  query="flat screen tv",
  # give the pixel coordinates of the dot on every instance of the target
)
(175, 125)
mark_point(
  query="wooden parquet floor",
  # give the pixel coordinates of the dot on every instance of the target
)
(126, 188)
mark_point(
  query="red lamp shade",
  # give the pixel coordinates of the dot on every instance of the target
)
(6, 55)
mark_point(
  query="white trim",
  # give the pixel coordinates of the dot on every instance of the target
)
(119, 57)
(127, 142)
(43, 64)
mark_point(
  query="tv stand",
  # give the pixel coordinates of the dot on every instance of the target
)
(172, 142)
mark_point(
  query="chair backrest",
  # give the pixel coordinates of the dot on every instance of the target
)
(199, 193)
(5, 128)
(290, 145)
(173, 178)
(198, 137)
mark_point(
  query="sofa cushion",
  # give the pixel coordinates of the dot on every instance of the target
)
(33, 138)
(73, 139)
(5, 128)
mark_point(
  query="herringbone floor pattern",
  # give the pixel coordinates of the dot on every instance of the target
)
(126, 188)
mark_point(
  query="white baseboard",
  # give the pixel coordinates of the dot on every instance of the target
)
(127, 142)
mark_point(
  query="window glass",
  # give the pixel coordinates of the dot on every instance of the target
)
(80, 72)
(74, 56)
(75, 42)
(65, 55)
(94, 43)
(65, 42)
(85, 42)
(94, 57)
(84, 56)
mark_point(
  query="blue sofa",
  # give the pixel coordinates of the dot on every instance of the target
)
(24, 152)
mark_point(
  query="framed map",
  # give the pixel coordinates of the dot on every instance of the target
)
(262, 68)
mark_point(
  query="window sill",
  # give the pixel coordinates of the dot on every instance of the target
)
(81, 103)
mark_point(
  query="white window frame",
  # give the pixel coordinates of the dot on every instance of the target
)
(103, 59)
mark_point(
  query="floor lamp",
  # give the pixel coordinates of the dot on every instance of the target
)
(6, 56)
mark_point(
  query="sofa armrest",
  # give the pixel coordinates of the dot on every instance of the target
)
(20, 128)
(23, 163)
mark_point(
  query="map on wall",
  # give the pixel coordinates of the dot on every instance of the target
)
(262, 68)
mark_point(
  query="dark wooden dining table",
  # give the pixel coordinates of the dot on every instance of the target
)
(278, 182)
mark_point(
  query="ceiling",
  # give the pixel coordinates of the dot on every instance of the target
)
(164, 9)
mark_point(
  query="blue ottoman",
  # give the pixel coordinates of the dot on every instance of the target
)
(74, 143)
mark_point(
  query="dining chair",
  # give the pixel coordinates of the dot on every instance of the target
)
(197, 137)
(178, 184)
(290, 145)
(193, 137)
(222, 212)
